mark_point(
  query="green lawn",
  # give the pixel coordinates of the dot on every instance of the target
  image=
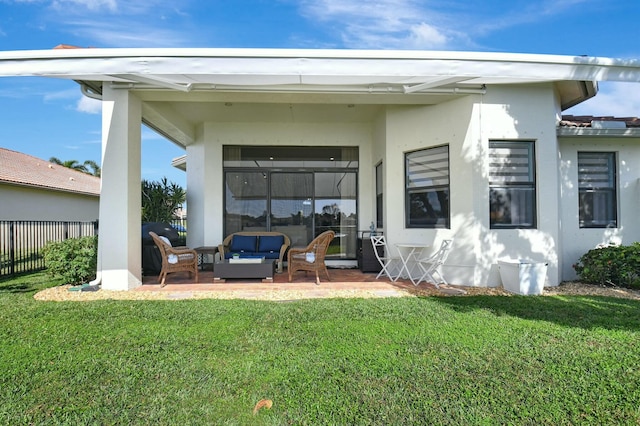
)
(456, 360)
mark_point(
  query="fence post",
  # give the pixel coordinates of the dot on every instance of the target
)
(12, 248)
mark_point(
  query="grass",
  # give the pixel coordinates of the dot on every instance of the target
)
(466, 360)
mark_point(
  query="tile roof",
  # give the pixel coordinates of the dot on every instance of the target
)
(22, 169)
(586, 120)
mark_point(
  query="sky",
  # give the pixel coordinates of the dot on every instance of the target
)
(50, 118)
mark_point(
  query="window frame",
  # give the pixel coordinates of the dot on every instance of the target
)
(442, 189)
(514, 181)
(379, 196)
(586, 186)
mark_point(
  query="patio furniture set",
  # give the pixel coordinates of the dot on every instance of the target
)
(411, 258)
(255, 255)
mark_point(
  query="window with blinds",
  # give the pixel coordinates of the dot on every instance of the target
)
(597, 194)
(427, 188)
(512, 184)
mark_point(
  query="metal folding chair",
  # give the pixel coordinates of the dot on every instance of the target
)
(431, 264)
(387, 262)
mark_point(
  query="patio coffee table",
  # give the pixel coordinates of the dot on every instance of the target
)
(264, 270)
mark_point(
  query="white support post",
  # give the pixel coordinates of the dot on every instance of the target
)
(119, 248)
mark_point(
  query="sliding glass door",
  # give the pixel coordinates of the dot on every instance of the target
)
(298, 191)
(292, 206)
(335, 210)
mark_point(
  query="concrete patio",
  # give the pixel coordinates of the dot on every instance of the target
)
(344, 283)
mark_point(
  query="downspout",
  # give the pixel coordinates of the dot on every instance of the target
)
(98, 281)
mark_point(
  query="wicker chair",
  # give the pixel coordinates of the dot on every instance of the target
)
(310, 258)
(175, 259)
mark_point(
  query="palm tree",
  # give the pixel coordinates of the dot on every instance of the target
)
(76, 165)
(94, 168)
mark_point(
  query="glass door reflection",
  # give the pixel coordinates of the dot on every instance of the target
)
(292, 206)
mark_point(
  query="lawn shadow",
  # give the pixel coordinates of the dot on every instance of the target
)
(16, 288)
(586, 312)
(26, 282)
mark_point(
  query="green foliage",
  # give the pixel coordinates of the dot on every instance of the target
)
(74, 260)
(161, 200)
(90, 167)
(611, 265)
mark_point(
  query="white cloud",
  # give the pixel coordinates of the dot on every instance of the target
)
(61, 94)
(125, 33)
(116, 23)
(398, 24)
(614, 98)
(111, 5)
(423, 34)
(415, 24)
(89, 106)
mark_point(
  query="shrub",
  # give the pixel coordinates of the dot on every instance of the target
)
(74, 260)
(611, 265)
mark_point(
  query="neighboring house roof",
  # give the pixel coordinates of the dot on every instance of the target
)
(599, 121)
(17, 168)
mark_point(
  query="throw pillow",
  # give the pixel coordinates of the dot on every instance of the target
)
(270, 243)
(243, 243)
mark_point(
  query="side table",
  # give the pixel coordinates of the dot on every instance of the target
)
(205, 251)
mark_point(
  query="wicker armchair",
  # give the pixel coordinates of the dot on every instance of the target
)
(311, 258)
(175, 259)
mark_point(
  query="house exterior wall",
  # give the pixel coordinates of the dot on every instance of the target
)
(578, 241)
(527, 113)
(467, 125)
(27, 203)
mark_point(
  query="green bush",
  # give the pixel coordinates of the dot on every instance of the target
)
(611, 265)
(74, 260)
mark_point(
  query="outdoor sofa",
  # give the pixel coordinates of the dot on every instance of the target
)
(267, 244)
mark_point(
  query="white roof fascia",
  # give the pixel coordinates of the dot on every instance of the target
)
(233, 66)
(591, 132)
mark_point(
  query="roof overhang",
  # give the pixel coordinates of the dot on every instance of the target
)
(338, 71)
(204, 81)
(597, 133)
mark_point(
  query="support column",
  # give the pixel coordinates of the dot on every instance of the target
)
(204, 189)
(119, 242)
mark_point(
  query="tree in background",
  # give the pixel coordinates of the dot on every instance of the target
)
(93, 168)
(88, 167)
(161, 200)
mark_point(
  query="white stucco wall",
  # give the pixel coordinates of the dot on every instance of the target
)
(467, 125)
(24, 203)
(526, 113)
(578, 241)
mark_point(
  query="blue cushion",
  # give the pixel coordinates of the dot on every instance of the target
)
(270, 243)
(242, 243)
